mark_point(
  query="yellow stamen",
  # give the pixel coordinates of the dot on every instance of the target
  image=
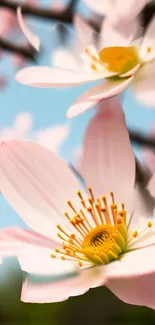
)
(100, 232)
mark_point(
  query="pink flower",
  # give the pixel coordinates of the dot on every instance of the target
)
(120, 60)
(98, 241)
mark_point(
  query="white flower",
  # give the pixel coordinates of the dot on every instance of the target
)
(121, 62)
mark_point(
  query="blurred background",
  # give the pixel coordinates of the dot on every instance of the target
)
(39, 114)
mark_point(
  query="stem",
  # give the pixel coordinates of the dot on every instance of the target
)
(26, 52)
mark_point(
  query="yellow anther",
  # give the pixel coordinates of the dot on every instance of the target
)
(149, 224)
(53, 256)
(112, 197)
(119, 220)
(56, 250)
(149, 49)
(71, 206)
(91, 193)
(135, 234)
(80, 263)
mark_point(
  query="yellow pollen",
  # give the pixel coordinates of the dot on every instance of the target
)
(97, 233)
(149, 49)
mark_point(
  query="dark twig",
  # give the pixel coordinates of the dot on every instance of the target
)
(141, 140)
(26, 52)
(66, 15)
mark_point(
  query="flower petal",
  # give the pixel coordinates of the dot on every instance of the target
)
(37, 184)
(50, 77)
(147, 49)
(37, 260)
(112, 88)
(108, 162)
(135, 263)
(143, 85)
(55, 291)
(33, 39)
(137, 290)
(64, 59)
(132, 279)
(93, 95)
(117, 33)
(131, 72)
(14, 242)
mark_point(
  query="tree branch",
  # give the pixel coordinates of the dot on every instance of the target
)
(141, 140)
(26, 52)
(65, 15)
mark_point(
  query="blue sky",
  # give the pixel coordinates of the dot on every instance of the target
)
(49, 106)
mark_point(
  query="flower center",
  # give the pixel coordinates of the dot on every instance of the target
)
(119, 59)
(99, 233)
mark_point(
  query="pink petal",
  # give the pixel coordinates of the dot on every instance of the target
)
(14, 241)
(32, 38)
(50, 77)
(55, 291)
(131, 72)
(108, 162)
(151, 186)
(132, 279)
(138, 290)
(112, 88)
(17, 235)
(33, 252)
(93, 95)
(37, 184)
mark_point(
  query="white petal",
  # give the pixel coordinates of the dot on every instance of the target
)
(100, 7)
(65, 59)
(60, 290)
(146, 235)
(93, 95)
(107, 162)
(148, 42)
(33, 39)
(120, 34)
(37, 260)
(143, 85)
(134, 263)
(86, 35)
(37, 184)
(49, 77)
